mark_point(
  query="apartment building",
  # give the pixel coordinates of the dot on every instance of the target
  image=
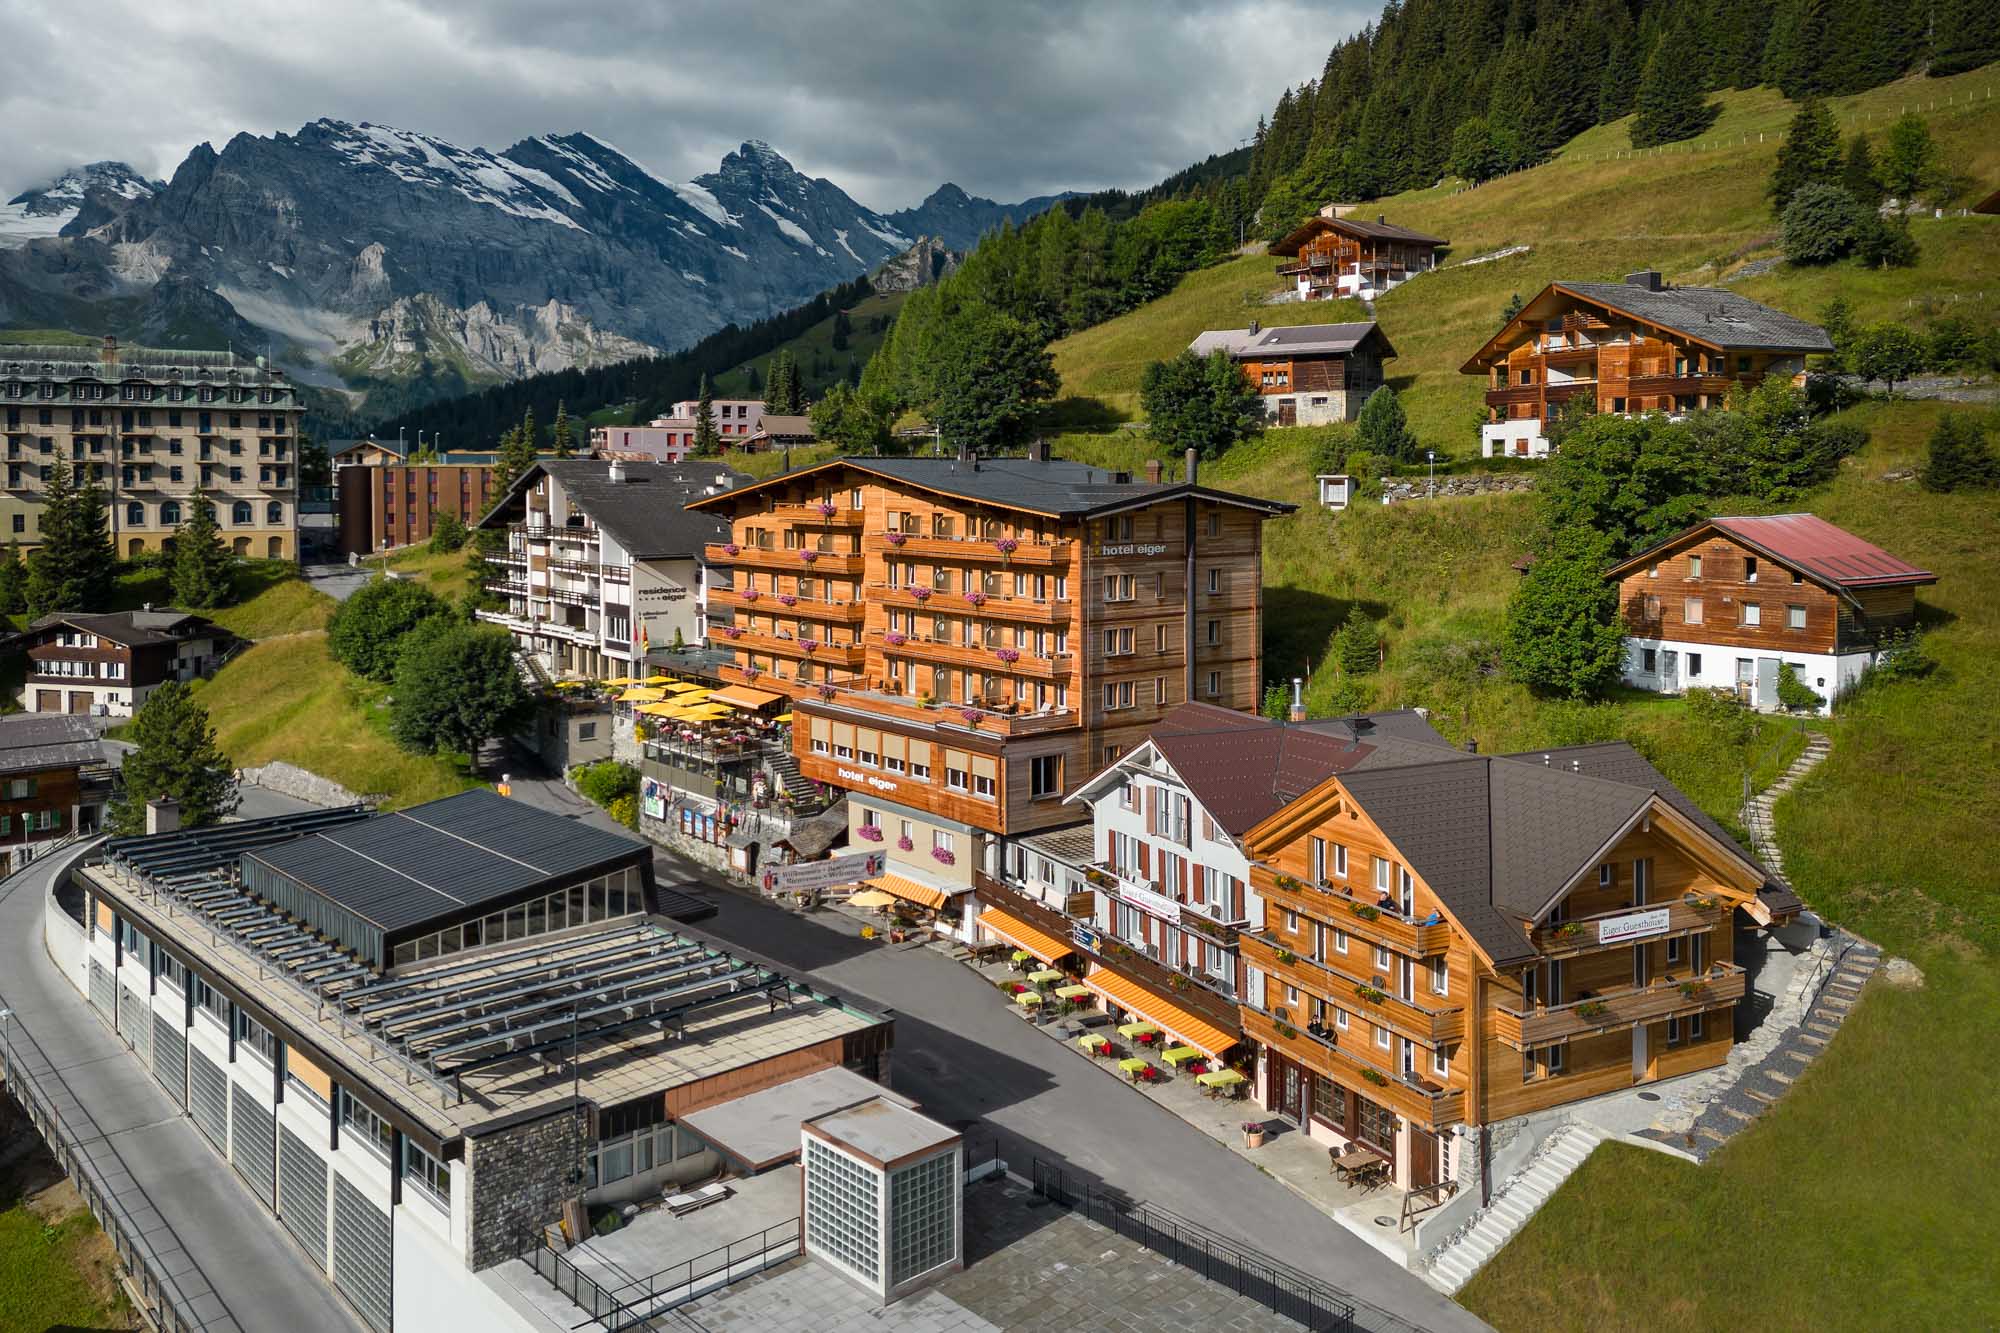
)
(1305, 374)
(109, 663)
(151, 427)
(417, 1036)
(670, 438)
(399, 504)
(964, 638)
(54, 782)
(1335, 254)
(1632, 347)
(1729, 603)
(603, 561)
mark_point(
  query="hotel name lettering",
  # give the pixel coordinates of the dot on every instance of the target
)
(1133, 548)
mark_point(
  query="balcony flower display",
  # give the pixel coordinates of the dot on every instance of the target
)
(787, 599)
(751, 594)
(731, 632)
(971, 716)
(731, 549)
(824, 510)
(808, 555)
(895, 538)
(808, 645)
(869, 833)
(1006, 545)
(976, 598)
(905, 845)
(921, 594)
(1008, 655)
(825, 691)
(943, 857)
(895, 639)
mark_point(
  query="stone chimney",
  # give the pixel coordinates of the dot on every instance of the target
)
(1255, 328)
(109, 353)
(1298, 710)
(616, 472)
(163, 815)
(1038, 450)
(1646, 280)
(1152, 471)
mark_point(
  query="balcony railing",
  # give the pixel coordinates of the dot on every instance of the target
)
(883, 703)
(1438, 1021)
(845, 656)
(1514, 393)
(1360, 915)
(984, 550)
(787, 562)
(1721, 986)
(811, 513)
(977, 657)
(841, 612)
(992, 606)
(1351, 1064)
(1582, 934)
(1681, 385)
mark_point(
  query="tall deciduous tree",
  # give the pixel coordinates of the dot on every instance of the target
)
(1809, 155)
(852, 420)
(992, 375)
(75, 567)
(365, 629)
(174, 755)
(707, 440)
(1909, 158)
(1888, 352)
(456, 688)
(1562, 635)
(204, 570)
(1199, 402)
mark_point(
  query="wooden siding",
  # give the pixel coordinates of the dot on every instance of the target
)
(1655, 605)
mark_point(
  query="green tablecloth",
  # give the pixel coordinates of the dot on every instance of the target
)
(1073, 992)
(1132, 1065)
(1045, 976)
(1220, 1078)
(1180, 1055)
(1137, 1029)
(1027, 999)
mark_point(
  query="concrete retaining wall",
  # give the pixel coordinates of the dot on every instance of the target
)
(299, 784)
(66, 943)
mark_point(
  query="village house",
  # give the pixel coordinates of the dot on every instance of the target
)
(670, 438)
(964, 638)
(109, 663)
(1629, 348)
(1729, 603)
(54, 783)
(1334, 254)
(1305, 374)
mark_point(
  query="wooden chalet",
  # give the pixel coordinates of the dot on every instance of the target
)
(1631, 347)
(1305, 374)
(1331, 255)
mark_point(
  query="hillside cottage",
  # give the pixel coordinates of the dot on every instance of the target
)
(1306, 374)
(1332, 254)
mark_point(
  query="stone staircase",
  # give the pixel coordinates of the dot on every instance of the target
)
(1565, 1150)
(784, 767)
(1757, 813)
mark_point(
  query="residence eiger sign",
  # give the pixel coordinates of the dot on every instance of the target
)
(1632, 926)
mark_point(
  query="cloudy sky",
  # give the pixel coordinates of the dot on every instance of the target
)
(1008, 98)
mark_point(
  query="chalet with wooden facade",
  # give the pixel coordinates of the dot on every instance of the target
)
(1334, 254)
(1306, 374)
(54, 781)
(110, 663)
(1730, 602)
(965, 638)
(1631, 347)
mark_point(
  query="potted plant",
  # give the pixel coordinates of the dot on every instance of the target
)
(808, 645)
(905, 845)
(1180, 982)
(787, 599)
(731, 549)
(1592, 1009)
(1287, 1031)
(1370, 994)
(751, 594)
(976, 598)
(1287, 956)
(895, 538)
(971, 716)
(825, 692)
(895, 638)
(1006, 546)
(1690, 989)
(1285, 882)
(825, 510)
(1379, 1079)
(1364, 911)
(1253, 1133)
(921, 594)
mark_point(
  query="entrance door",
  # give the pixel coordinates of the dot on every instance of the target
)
(1288, 412)
(1746, 679)
(1641, 1058)
(1425, 1166)
(1670, 670)
(48, 701)
(1767, 682)
(1291, 1094)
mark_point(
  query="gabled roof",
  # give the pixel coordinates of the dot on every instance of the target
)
(1715, 318)
(1830, 556)
(34, 741)
(646, 513)
(1291, 340)
(1055, 488)
(131, 629)
(1381, 229)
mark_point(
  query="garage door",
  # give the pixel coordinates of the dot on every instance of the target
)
(208, 1098)
(103, 991)
(80, 701)
(48, 701)
(254, 1146)
(170, 1057)
(135, 1022)
(361, 1254)
(302, 1188)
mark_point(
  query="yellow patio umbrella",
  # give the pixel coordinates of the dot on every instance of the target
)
(683, 686)
(784, 717)
(658, 710)
(873, 898)
(696, 695)
(641, 695)
(657, 679)
(619, 680)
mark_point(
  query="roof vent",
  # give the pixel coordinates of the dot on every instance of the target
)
(1381, 219)
(1646, 280)
(1255, 328)
(616, 471)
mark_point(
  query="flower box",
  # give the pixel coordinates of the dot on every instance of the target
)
(905, 845)
(895, 639)
(869, 833)
(975, 598)
(809, 555)
(808, 645)
(1370, 994)
(787, 599)
(1379, 1079)
(1008, 655)
(1006, 545)
(921, 594)
(1364, 911)
(943, 857)
(751, 594)
(1592, 1009)
(895, 538)
(731, 548)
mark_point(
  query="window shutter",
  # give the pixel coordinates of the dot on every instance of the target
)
(1152, 809)
(893, 746)
(843, 734)
(920, 752)
(1145, 860)
(985, 766)
(955, 759)
(822, 729)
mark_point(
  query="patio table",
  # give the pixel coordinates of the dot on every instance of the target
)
(1134, 1068)
(1356, 1164)
(1138, 1031)
(1180, 1055)
(1022, 956)
(1221, 1082)
(1094, 1045)
(1028, 999)
(1073, 992)
(1045, 976)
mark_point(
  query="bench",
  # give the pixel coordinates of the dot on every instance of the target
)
(682, 1204)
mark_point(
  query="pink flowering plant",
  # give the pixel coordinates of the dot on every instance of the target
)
(787, 599)
(943, 857)
(1008, 655)
(825, 509)
(731, 548)
(905, 845)
(751, 594)
(870, 832)
(809, 645)
(921, 594)
(895, 639)
(826, 691)
(808, 555)
(1006, 545)
(971, 716)
(896, 538)
(976, 598)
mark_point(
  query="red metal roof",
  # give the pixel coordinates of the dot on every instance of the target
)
(1817, 548)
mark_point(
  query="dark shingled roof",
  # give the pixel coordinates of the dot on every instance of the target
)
(34, 741)
(1057, 487)
(646, 513)
(132, 629)
(1381, 229)
(407, 867)
(1711, 315)
(1244, 768)
(1290, 340)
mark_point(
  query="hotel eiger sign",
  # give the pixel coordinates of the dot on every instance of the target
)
(1632, 926)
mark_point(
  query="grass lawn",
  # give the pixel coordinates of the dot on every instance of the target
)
(40, 1285)
(449, 576)
(817, 342)
(288, 699)
(272, 599)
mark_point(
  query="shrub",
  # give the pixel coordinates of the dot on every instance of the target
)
(1959, 456)
(1904, 656)
(365, 629)
(1821, 224)
(603, 782)
(1722, 714)
(1277, 703)
(625, 809)
(1886, 243)
(448, 534)
(1794, 693)
(1350, 694)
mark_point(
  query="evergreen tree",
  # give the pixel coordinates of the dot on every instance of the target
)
(843, 326)
(1885, 242)
(1960, 458)
(1837, 318)
(515, 457)
(1858, 175)
(1821, 224)
(13, 581)
(1909, 158)
(175, 755)
(707, 440)
(1475, 156)
(1809, 155)
(1511, 309)
(1618, 86)
(75, 567)
(1670, 106)
(752, 381)
(851, 420)
(1967, 36)
(1382, 430)
(204, 570)
(1357, 644)
(1199, 402)
(530, 437)
(560, 431)
(448, 533)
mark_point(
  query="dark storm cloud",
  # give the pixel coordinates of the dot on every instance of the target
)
(1007, 99)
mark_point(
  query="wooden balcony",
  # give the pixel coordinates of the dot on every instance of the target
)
(949, 717)
(996, 606)
(846, 657)
(1357, 915)
(781, 561)
(976, 657)
(805, 608)
(980, 550)
(1614, 1011)
(1581, 935)
(1514, 393)
(1418, 1020)
(1353, 1065)
(1680, 385)
(813, 514)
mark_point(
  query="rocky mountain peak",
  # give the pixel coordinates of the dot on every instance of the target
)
(102, 189)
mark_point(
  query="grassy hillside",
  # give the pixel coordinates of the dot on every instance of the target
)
(1699, 214)
(816, 344)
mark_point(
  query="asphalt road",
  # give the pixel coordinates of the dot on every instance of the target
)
(970, 1060)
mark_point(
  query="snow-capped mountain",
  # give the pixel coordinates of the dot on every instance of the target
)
(367, 257)
(47, 209)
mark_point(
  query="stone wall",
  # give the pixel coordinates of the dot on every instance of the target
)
(1395, 489)
(298, 783)
(517, 1179)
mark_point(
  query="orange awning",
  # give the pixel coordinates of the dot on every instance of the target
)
(1129, 995)
(910, 890)
(742, 696)
(1035, 940)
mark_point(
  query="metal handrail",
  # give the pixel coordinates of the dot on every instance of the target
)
(615, 1309)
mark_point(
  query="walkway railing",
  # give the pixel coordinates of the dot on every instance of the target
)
(642, 1299)
(1276, 1285)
